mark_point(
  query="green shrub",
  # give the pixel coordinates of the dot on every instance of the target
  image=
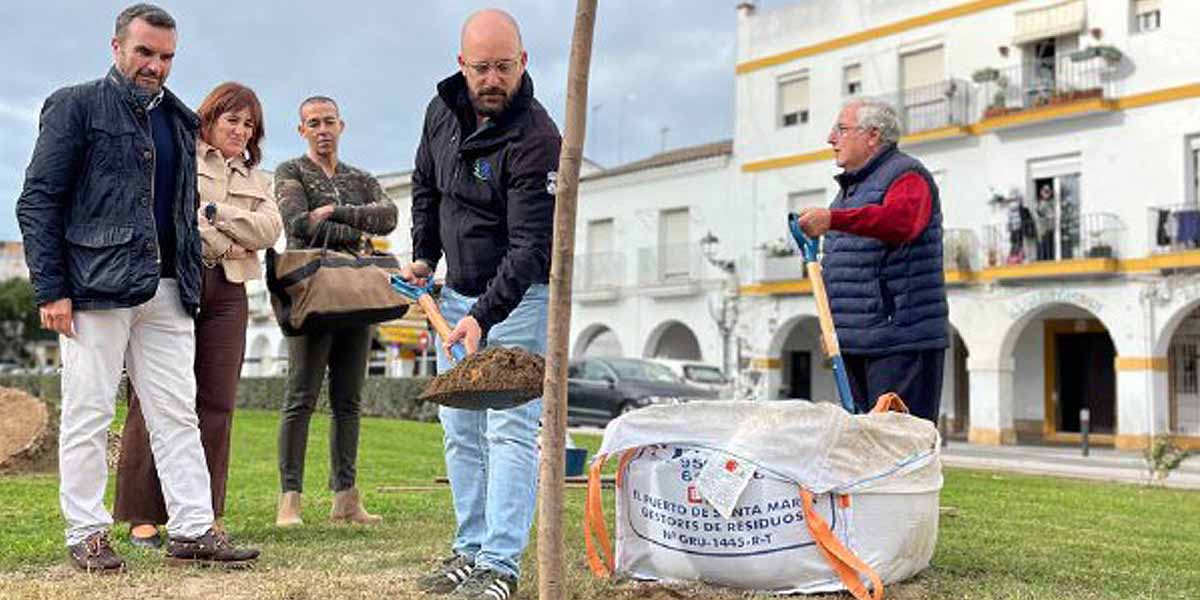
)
(381, 396)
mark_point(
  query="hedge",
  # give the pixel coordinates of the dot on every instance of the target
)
(381, 396)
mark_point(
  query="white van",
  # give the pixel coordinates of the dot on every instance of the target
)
(698, 374)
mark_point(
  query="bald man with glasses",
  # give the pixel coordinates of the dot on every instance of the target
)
(483, 196)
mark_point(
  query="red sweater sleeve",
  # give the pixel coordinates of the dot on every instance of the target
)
(901, 217)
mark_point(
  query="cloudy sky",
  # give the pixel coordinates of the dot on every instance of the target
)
(656, 64)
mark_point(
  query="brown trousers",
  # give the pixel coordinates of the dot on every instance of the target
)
(220, 344)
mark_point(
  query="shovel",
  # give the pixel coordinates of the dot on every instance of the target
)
(448, 389)
(829, 341)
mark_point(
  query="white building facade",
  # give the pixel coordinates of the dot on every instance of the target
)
(1075, 110)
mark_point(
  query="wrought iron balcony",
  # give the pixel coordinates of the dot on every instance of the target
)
(1090, 242)
(935, 106)
(1174, 228)
(1043, 83)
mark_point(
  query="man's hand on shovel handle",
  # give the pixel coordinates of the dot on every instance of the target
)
(416, 273)
(815, 221)
(468, 332)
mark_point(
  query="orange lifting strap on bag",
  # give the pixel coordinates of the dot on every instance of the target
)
(845, 563)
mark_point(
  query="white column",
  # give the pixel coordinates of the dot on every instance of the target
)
(1142, 401)
(991, 384)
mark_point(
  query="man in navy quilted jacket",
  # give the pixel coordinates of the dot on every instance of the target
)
(883, 262)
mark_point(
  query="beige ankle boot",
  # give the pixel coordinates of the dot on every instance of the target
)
(347, 506)
(289, 510)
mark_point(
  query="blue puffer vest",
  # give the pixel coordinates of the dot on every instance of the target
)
(886, 299)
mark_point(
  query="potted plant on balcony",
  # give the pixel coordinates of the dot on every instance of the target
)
(985, 75)
(1109, 53)
(777, 261)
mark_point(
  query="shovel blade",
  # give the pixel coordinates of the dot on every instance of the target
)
(483, 399)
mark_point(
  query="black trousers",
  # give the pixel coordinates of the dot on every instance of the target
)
(915, 376)
(344, 354)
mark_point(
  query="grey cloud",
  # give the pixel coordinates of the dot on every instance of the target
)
(381, 59)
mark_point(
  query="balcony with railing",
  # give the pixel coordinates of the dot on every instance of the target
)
(1174, 228)
(1043, 90)
(935, 111)
(598, 276)
(960, 255)
(1082, 247)
(670, 269)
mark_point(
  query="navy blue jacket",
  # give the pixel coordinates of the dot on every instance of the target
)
(485, 197)
(886, 299)
(87, 212)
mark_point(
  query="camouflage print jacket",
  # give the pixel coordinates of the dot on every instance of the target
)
(362, 208)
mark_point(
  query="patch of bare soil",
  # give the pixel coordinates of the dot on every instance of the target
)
(28, 433)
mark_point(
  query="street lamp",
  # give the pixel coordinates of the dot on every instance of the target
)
(708, 246)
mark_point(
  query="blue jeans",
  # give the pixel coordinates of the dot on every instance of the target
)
(492, 456)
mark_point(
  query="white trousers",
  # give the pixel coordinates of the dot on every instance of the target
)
(156, 343)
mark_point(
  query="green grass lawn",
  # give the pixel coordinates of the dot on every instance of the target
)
(1012, 537)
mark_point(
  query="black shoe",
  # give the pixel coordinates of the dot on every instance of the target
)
(486, 584)
(96, 555)
(210, 550)
(153, 542)
(452, 571)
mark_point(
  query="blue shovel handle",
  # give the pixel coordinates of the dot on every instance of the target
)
(808, 246)
(808, 251)
(415, 292)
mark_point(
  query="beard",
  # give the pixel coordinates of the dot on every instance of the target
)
(490, 101)
(143, 79)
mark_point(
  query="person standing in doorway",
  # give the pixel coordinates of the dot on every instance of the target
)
(883, 262)
(483, 195)
(326, 203)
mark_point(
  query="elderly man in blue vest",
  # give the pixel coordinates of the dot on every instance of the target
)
(883, 262)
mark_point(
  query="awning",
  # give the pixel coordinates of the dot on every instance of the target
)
(406, 331)
(1057, 19)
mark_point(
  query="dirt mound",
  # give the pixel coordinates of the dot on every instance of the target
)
(28, 433)
(492, 378)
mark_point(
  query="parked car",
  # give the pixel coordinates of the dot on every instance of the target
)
(600, 389)
(699, 374)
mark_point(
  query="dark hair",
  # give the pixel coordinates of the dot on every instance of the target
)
(232, 97)
(149, 13)
(318, 100)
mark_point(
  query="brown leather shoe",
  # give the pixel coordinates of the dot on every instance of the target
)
(209, 550)
(95, 555)
(347, 507)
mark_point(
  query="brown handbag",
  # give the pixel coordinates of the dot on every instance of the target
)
(319, 290)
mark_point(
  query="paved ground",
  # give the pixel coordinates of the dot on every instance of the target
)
(1103, 464)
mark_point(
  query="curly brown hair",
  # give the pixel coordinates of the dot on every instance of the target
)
(232, 96)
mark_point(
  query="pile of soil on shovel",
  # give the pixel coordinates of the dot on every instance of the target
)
(28, 433)
(509, 371)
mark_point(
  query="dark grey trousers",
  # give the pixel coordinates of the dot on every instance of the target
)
(344, 354)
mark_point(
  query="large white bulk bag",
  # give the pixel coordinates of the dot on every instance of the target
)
(831, 501)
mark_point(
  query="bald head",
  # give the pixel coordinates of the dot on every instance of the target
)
(489, 26)
(492, 60)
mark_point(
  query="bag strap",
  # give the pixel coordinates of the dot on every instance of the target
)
(845, 563)
(599, 549)
(890, 401)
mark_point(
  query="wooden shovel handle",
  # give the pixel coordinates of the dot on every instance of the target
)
(435, 315)
(828, 333)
